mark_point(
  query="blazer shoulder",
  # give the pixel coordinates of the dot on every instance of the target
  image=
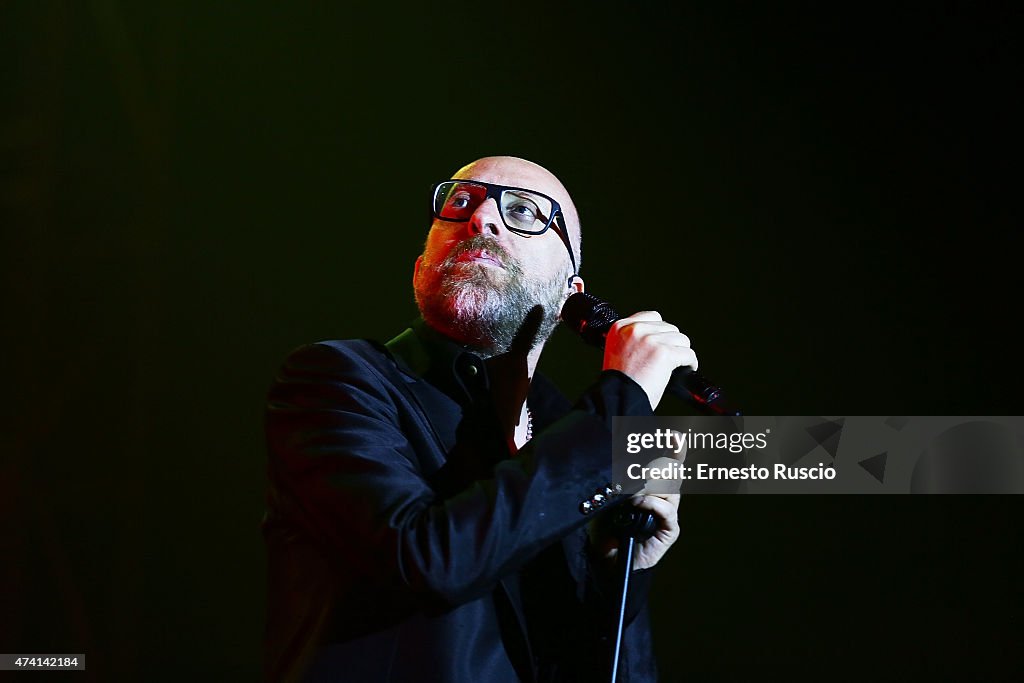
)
(339, 355)
(347, 365)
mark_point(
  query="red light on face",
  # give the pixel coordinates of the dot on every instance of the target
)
(461, 200)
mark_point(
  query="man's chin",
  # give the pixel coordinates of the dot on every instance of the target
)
(462, 325)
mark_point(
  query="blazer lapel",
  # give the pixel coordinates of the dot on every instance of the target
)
(443, 419)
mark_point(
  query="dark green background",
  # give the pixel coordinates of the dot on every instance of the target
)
(824, 200)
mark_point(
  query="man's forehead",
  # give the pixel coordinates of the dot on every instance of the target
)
(514, 172)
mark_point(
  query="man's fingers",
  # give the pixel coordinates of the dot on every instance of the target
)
(646, 327)
(665, 506)
(641, 316)
(654, 330)
(672, 337)
(688, 357)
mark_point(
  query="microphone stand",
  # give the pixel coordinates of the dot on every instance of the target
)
(632, 525)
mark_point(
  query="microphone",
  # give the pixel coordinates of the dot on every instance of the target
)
(592, 317)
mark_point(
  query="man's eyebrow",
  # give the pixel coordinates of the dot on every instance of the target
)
(520, 191)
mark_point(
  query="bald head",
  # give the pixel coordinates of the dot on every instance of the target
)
(516, 172)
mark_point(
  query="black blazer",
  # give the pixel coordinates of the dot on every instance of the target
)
(404, 544)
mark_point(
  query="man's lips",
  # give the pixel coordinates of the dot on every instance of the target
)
(479, 256)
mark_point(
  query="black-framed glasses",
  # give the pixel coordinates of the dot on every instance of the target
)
(524, 212)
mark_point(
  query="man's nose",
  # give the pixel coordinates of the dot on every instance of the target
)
(486, 220)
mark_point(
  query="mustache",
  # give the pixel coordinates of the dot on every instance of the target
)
(477, 243)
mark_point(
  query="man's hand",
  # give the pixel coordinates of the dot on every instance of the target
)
(665, 508)
(647, 349)
(646, 554)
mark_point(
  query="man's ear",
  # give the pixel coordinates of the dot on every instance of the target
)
(576, 286)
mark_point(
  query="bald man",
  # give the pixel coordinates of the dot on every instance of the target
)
(429, 498)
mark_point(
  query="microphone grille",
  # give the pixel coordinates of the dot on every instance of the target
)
(589, 316)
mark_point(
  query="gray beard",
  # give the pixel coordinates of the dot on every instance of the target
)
(486, 309)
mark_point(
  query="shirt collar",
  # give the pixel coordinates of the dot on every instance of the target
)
(455, 369)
